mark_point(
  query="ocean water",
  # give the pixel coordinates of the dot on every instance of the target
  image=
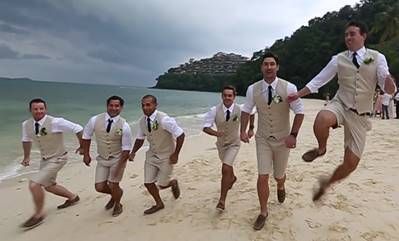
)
(78, 102)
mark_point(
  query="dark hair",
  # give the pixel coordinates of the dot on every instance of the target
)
(37, 100)
(114, 97)
(154, 99)
(270, 55)
(362, 27)
(230, 87)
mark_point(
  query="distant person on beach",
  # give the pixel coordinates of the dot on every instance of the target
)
(386, 100)
(274, 137)
(396, 98)
(114, 141)
(378, 103)
(359, 70)
(47, 132)
(226, 116)
(166, 139)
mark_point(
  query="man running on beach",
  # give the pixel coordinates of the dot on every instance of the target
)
(47, 132)
(114, 141)
(166, 139)
(359, 70)
(227, 117)
(274, 137)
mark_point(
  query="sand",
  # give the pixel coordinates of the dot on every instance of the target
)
(364, 206)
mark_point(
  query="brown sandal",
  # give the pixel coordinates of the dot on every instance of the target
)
(176, 190)
(310, 155)
(281, 195)
(260, 222)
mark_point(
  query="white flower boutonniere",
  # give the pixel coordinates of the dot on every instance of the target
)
(155, 126)
(368, 60)
(235, 118)
(43, 132)
(277, 99)
(119, 132)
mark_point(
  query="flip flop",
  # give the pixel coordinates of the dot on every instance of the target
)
(310, 155)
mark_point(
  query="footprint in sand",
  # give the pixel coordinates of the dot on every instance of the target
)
(372, 236)
(337, 228)
(312, 224)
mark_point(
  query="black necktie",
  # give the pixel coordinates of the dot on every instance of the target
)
(37, 125)
(269, 95)
(227, 115)
(149, 124)
(354, 60)
(109, 125)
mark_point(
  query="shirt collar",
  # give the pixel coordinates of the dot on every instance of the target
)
(230, 109)
(152, 116)
(265, 85)
(360, 52)
(114, 119)
(41, 121)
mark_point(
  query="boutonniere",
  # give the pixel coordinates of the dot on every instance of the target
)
(119, 132)
(155, 125)
(235, 118)
(43, 131)
(369, 60)
(277, 99)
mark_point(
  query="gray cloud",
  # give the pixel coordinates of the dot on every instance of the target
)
(7, 53)
(132, 41)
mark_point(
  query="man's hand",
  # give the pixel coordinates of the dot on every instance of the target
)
(250, 133)
(219, 133)
(131, 156)
(79, 150)
(292, 97)
(25, 162)
(244, 137)
(290, 141)
(87, 159)
(173, 158)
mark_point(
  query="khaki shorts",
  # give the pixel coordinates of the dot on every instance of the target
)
(48, 171)
(157, 169)
(355, 126)
(105, 170)
(228, 153)
(272, 156)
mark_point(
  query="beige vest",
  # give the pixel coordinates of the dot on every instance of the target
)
(50, 144)
(357, 86)
(162, 143)
(108, 144)
(229, 128)
(274, 119)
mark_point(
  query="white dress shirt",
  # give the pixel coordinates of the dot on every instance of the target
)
(209, 118)
(331, 69)
(57, 125)
(126, 132)
(296, 106)
(168, 123)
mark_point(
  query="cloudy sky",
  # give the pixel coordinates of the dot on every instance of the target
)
(131, 42)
